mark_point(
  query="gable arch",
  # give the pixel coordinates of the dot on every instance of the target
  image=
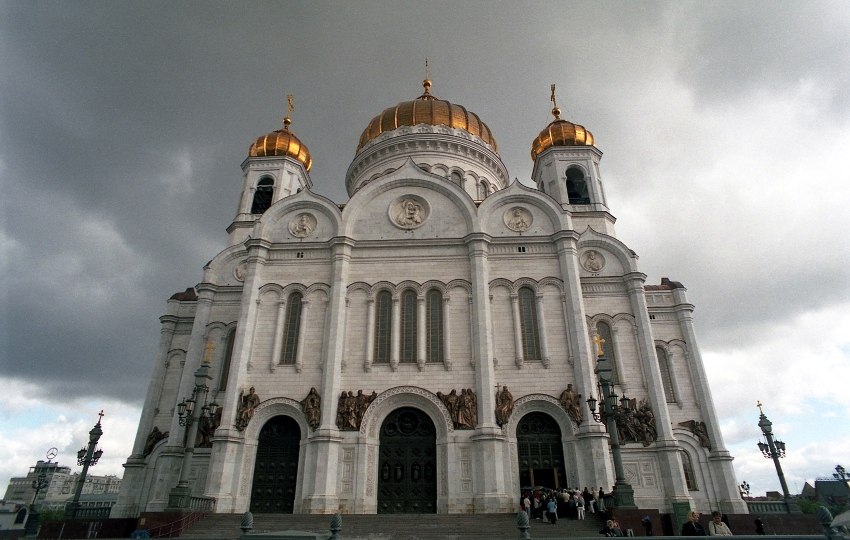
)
(540, 403)
(590, 238)
(406, 396)
(302, 200)
(219, 271)
(490, 211)
(276, 406)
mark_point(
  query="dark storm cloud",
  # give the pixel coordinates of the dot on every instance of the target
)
(123, 126)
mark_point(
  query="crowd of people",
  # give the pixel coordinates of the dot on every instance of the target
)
(548, 505)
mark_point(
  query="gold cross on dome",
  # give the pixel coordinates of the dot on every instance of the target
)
(209, 347)
(597, 339)
(758, 404)
(553, 97)
(100, 416)
(289, 107)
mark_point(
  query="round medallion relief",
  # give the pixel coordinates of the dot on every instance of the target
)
(302, 225)
(409, 212)
(518, 219)
(592, 261)
(239, 271)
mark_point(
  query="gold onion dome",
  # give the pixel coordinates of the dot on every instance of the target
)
(282, 143)
(560, 133)
(427, 109)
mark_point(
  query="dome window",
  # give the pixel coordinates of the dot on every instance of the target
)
(263, 195)
(457, 178)
(577, 187)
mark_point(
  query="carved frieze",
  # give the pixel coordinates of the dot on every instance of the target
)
(592, 261)
(409, 212)
(302, 225)
(518, 219)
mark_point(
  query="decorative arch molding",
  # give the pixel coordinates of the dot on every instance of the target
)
(406, 396)
(540, 403)
(514, 286)
(557, 282)
(502, 282)
(180, 354)
(302, 200)
(271, 288)
(276, 406)
(292, 288)
(516, 193)
(678, 343)
(591, 238)
(578, 166)
(435, 285)
(319, 287)
(384, 286)
(219, 271)
(462, 283)
(360, 286)
(525, 282)
(409, 285)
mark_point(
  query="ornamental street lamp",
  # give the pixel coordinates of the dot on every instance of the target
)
(40, 482)
(87, 457)
(180, 497)
(775, 449)
(624, 495)
(840, 474)
(745, 489)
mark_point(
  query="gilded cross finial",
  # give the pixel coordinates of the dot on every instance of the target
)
(100, 416)
(426, 84)
(556, 112)
(209, 348)
(289, 108)
(597, 339)
(758, 404)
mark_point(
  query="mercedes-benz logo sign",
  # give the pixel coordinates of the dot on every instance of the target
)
(52, 453)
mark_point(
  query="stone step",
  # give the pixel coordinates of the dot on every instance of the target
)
(396, 526)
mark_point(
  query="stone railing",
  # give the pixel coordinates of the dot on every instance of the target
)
(97, 512)
(767, 507)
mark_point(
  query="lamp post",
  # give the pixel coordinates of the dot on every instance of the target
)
(87, 457)
(775, 449)
(180, 497)
(624, 495)
(40, 482)
(745, 489)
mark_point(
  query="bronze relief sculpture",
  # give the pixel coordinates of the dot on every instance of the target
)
(571, 402)
(504, 406)
(351, 408)
(312, 407)
(463, 408)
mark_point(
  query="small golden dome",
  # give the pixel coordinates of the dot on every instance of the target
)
(427, 109)
(282, 143)
(560, 133)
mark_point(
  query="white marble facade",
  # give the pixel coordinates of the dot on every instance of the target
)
(431, 208)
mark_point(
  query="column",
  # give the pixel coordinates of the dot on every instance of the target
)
(319, 486)
(224, 474)
(719, 458)
(302, 330)
(447, 334)
(490, 444)
(277, 347)
(421, 323)
(517, 330)
(370, 335)
(541, 327)
(672, 474)
(395, 332)
(594, 456)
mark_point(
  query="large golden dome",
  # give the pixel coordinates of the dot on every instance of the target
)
(560, 133)
(427, 109)
(282, 143)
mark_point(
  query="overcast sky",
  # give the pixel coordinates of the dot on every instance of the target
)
(725, 128)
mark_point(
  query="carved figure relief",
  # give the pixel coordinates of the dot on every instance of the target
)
(312, 407)
(206, 430)
(518, 219)
(240, 270)
(504, 406)
(302, 225)
(351, 408)
(636, 423)
(247, 403)
(409, 212)
(154, 437)
(571, 402)
(700, 431)
(463, 408)
(592, 261)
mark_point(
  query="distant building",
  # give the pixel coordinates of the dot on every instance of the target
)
(809, 492)
(13, 515)
(60, 488)
(832, 492)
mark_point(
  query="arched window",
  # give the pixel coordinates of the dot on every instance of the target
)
(666, 377)
(383, 313)
(291, 327)
(228, 353)
(434, 328)
(528, 324)
(604, 332)
(577, 187)
(21, 517)
(263, 195)
(483, 190)
(688, 467)
(457, 178)
(408, 326)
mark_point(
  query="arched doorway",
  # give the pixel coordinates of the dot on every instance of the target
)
(407, 468)
(540, 451)
(276, 466)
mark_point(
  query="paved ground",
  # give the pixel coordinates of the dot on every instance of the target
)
(397, 527)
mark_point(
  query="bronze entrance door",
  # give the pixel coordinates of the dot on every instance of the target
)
(276, 466)
(541, 452)
(407, 468)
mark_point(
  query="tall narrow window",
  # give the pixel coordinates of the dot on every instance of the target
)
(604, 332)
(577, 187)
(291, 327)
(528, 324)
(666, 377)
(383, 312)
(263, 195)
(408, 326)
(228, 353)
(434, 328)
(688, 467)
(457, 178)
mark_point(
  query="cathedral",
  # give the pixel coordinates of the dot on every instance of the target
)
(429, 346)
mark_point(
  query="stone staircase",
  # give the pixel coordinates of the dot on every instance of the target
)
(397, 526)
